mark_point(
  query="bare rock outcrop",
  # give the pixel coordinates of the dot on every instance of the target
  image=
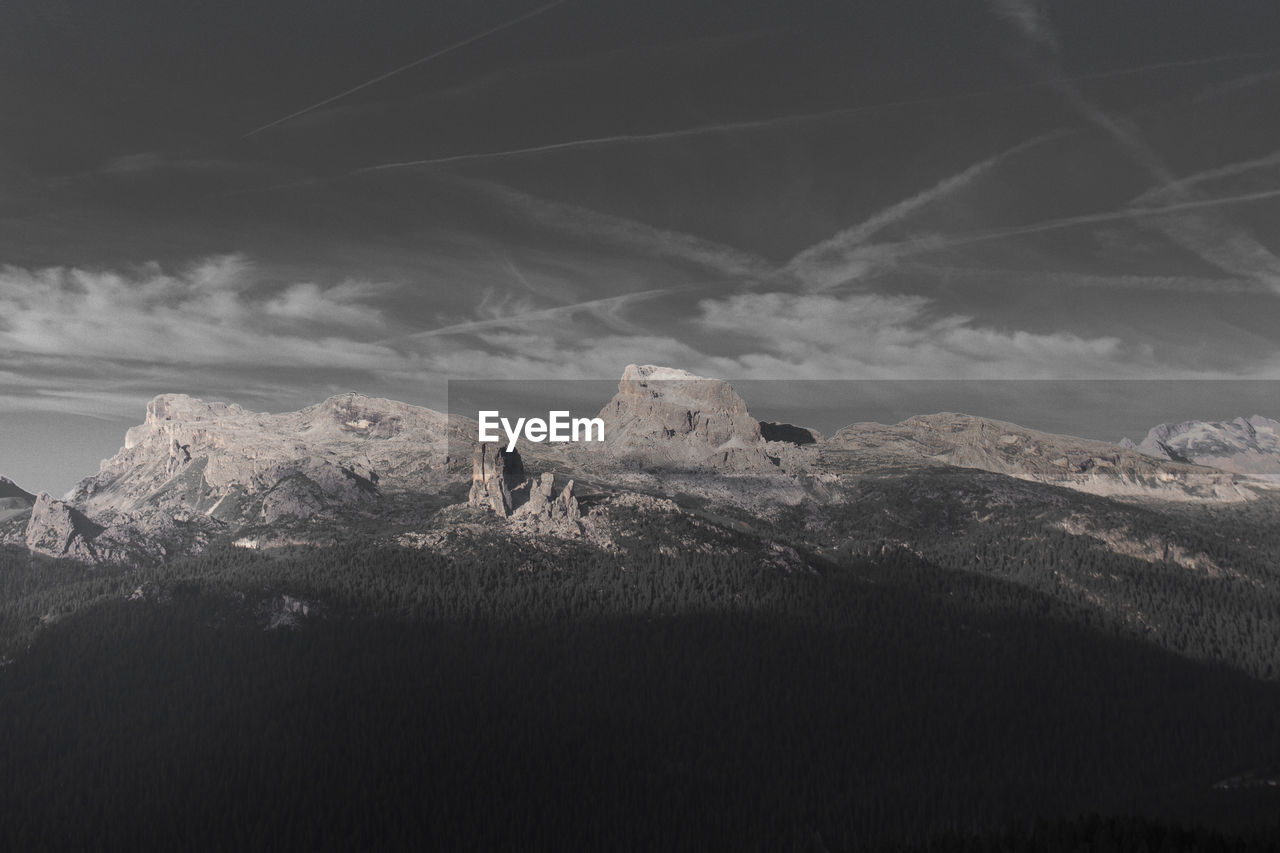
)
(542, 505)
(495, 474)
(498, 482)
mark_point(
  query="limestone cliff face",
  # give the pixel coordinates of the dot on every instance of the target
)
(663, 416)
(191, 458)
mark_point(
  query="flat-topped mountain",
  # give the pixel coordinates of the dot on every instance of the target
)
(194, 469)
(1248, 446)
(664, 416)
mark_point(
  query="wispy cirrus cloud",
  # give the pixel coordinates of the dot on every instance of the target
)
(1031, 17)
(873, 336)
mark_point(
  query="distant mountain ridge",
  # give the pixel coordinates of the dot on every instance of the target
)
(15, 504)
(1086, 465)
(194, 471)
(1249, 446)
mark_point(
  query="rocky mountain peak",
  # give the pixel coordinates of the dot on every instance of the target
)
(58, 529)
(669, 416)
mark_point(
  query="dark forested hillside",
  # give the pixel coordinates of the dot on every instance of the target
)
(682, 701)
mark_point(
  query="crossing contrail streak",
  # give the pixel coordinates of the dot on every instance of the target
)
(1230, 170)
(436, 55)
(929, 245)
(796, 118)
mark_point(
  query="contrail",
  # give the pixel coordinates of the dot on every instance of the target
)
(794, 118)
(592, 142)
(1231, 170)
(543, 314)
(1174, 283)
(439, 53)
(583, 221)
(851, 238)
(929, 245)
(1215, 242)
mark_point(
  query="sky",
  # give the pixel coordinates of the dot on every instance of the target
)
(270, 202)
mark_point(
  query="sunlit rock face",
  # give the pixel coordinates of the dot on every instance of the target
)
(664, 416)
(190, 458)
(1248, 446)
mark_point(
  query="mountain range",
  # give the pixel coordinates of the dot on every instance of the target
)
(194, 471)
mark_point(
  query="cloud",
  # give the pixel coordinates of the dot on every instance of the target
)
(870, 336)
(344, 305)
(1031, 18)
(100, 342)
(215, 312)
